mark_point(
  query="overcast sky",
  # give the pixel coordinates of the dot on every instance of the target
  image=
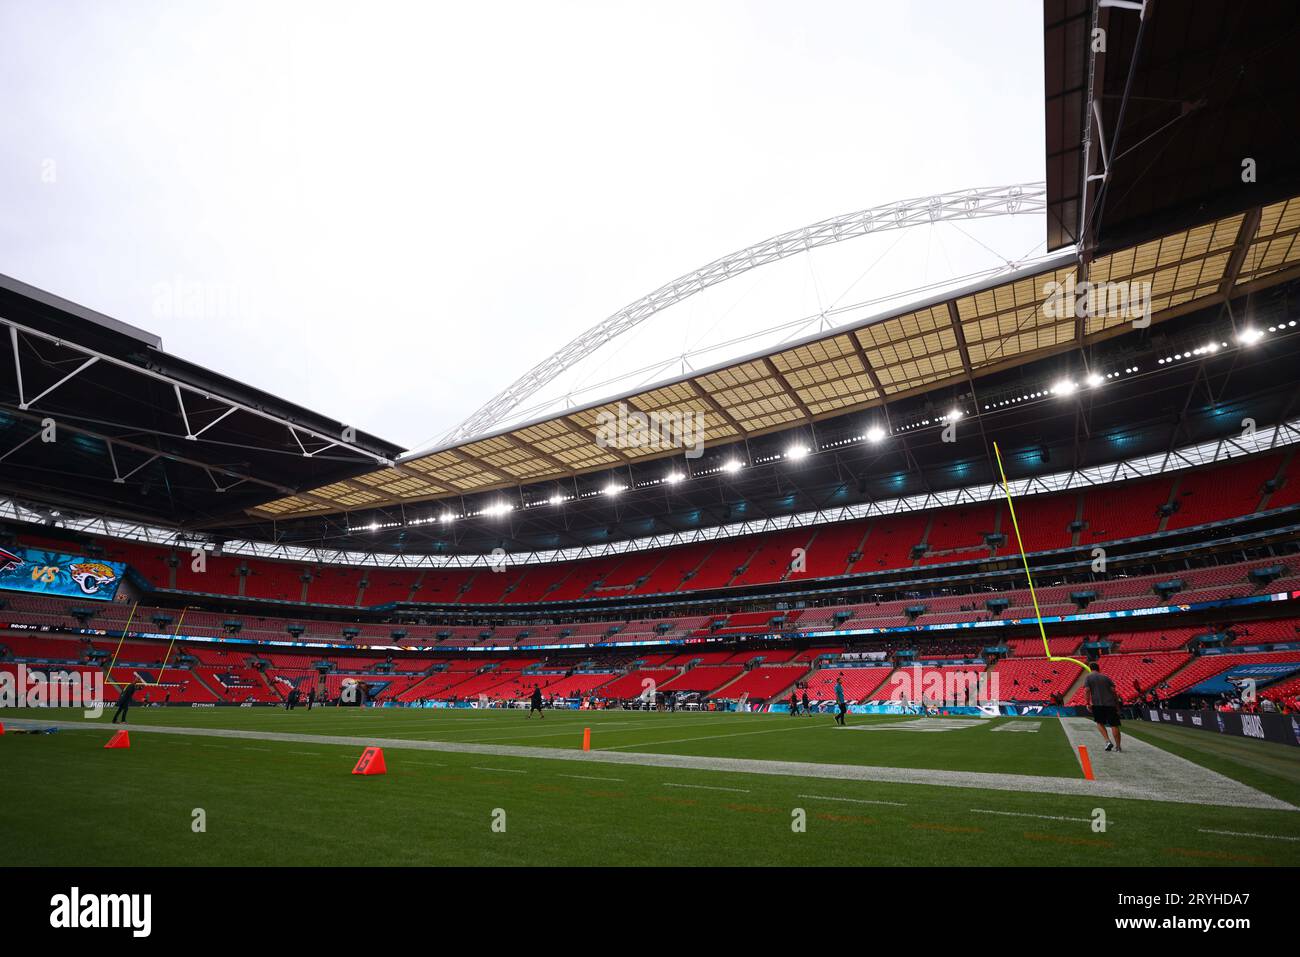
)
(387, 211)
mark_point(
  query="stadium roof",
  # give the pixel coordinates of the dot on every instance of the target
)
(1153, 110)
(142, 434)
(1145, 145)
(950, 340)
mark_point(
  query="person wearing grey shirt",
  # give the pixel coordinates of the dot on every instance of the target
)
(1104, 701)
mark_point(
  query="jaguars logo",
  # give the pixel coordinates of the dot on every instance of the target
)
(91, 576)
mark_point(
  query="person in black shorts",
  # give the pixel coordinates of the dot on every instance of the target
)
(535, 702)
(1103, 699)
(807, 710)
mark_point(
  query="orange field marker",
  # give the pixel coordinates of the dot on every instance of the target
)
(119, 740)
(1086, 762)
(371, 762)
(586, 739)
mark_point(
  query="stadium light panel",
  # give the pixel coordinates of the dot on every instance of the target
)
(875, 434)
(1064, 387)
(796, 452)
(732, 465)
(672, 478)
(1249, 336)
(1095, 380)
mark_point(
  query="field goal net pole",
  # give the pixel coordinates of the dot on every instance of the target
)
(125, 630)
(157, 682)
(171, 644)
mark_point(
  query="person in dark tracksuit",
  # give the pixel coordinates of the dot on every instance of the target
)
(794, 704)
(535, 702)
(840, 707)
(311, 698)
(124, 702)
(806, 709)
(291, 702)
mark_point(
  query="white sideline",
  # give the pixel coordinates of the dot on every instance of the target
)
(1163, 787)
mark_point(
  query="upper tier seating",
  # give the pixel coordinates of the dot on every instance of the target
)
(1109, 512)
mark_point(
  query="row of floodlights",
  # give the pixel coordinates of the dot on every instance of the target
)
(1065, 387)
(1246, 337)
(875, 434)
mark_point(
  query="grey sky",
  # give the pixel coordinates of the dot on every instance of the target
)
(389, 211)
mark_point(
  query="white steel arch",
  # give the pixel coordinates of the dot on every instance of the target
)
(980, 203)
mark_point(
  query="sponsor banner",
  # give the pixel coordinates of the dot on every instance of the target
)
(989, 710)
(1278, 728)
(1054, 619)
(1231, 679)
(55, 573)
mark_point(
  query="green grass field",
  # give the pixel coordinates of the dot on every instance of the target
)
(266, 802)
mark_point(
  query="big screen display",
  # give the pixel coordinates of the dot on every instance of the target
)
(54, 573)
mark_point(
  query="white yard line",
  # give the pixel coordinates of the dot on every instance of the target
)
(827, 797)
(705, 787)
(1267, 837)
(1041, 817)
(587, 777)
(710, 737)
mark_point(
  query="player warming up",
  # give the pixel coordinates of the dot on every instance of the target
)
(124, 702)
(535, 702)
(1104, 702)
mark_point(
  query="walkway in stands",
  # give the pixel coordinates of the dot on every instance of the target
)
(1170, 778)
